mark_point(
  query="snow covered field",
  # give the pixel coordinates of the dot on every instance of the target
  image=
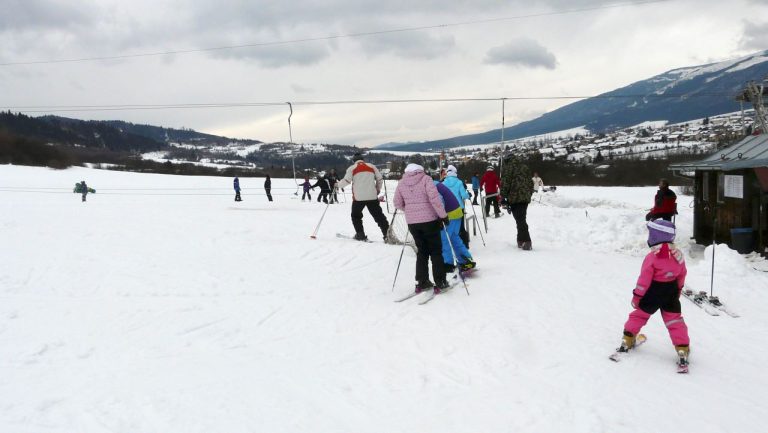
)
(161, 305)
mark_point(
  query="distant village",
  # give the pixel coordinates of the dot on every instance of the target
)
(644, 141)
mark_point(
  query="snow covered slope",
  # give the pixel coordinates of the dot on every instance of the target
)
(161, 305)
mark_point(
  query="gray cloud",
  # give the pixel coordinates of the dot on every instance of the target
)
(755, 36)
(41, 14)
(278, 56)
(299, 89)
(521, 52)
(409, 45)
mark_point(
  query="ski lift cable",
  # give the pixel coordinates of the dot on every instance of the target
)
(138, 107)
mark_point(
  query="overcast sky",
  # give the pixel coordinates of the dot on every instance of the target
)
(486, 49)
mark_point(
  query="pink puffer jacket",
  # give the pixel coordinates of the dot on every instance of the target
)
(417, 195)
(664, 263)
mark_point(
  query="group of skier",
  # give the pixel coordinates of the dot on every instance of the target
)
(267, 188)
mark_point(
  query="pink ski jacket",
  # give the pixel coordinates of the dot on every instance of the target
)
(417, 196)
(664, 263)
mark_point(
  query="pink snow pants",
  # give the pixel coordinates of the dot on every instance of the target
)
(674, 322)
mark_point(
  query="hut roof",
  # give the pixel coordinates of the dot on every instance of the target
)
(750, 152)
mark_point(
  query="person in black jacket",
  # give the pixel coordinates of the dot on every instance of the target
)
(333, 179)
(325, 189)
(268, 187)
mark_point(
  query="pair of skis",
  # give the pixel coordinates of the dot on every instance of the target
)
(710, 304)
(452, 282)
(620, 353)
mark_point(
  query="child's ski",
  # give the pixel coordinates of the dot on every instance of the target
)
(682, 365)
(700, 300)
(618, 354)
(715, 302)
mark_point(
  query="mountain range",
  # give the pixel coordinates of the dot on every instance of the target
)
(676, 96)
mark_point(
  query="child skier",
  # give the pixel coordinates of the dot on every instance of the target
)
(307, 186)
(661, 280)
(449, 236)
(417, 196)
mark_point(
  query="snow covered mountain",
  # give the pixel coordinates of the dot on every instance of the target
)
(676, 96)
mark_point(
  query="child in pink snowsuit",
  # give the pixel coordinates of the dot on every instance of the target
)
(662, 277)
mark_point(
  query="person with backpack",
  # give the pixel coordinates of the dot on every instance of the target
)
(662, 277)
(417, 196)
(366, 181)
(664, 204)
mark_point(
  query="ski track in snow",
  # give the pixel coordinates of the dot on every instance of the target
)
(183, 314)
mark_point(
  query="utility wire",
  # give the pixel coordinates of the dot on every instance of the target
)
(334, 37)
(136, 107)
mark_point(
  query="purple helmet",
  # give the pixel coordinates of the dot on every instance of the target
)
(660, 231)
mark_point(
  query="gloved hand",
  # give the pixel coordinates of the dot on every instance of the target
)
(445, 221)
(636, 300)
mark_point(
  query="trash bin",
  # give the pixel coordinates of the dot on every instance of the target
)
(741, 240)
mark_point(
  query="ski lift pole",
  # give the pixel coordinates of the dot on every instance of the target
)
(293, 156)
(714, 247)
(501, 157)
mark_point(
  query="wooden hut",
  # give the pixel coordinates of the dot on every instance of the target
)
(731, 195)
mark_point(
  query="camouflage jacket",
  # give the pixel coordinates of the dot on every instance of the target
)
(516, 184)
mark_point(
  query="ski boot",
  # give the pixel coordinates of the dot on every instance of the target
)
(627, 342)
(423, 286)
(527, 246)
(441, 287)
(520, 244)
(468, 265)
(682, 358)
(360, 237)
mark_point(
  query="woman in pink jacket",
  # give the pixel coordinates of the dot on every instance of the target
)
(417, 196)
(662, 277)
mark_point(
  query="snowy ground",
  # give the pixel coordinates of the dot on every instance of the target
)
(161, 305)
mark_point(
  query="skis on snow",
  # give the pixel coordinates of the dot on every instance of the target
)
(711, 304)
(343, 236)
(619, 354)
(452, 282)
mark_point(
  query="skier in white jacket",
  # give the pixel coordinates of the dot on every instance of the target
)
(366, 181)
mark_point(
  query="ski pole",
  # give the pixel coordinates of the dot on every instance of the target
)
(401, 259)
(478, 224)
(453, 253)
(314, 233)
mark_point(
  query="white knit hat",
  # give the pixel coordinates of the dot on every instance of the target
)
(451, 171)
(413, 167)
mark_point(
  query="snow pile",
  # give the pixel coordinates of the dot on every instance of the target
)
(162, 305)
